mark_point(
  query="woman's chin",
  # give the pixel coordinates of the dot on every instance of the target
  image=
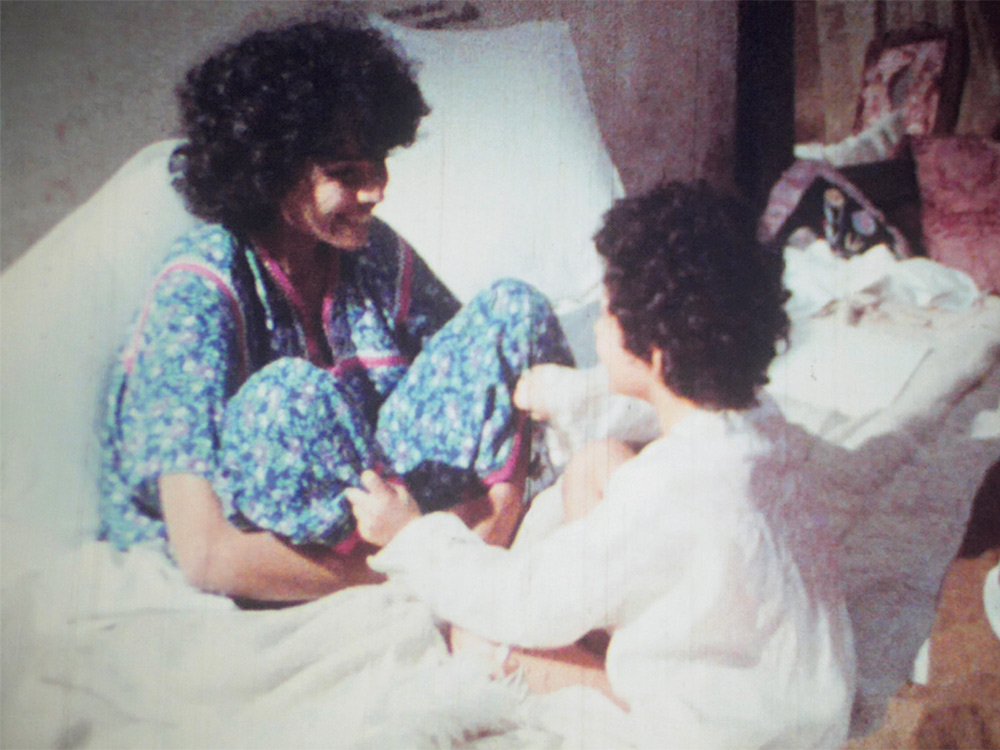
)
(349, 242)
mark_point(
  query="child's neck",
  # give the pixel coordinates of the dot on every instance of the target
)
(670, 408)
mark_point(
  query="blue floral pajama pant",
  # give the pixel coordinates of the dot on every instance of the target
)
(296, 436)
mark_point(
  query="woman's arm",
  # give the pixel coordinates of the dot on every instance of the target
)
(217, 557)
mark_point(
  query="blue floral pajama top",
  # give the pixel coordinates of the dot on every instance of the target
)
(219, 378)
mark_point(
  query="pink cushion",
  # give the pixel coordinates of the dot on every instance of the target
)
(959, 180)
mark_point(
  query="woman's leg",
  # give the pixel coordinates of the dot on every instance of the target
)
(291, 441)
(495, 516)
(544, 670)
(450, 428)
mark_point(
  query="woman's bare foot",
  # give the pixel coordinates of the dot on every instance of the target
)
(494, 516)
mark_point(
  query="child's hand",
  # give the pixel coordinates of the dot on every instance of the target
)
(382, 508)
(531, 390)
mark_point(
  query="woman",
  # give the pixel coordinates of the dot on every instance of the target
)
(293, 340)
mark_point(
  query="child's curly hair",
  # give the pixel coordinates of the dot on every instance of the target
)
(254, 113)
(686, 275)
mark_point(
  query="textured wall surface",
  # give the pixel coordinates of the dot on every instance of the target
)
(87, 84)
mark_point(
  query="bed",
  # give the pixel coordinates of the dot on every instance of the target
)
(891, 383)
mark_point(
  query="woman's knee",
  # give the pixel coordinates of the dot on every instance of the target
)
(283, 375)
(291, 441)
(525, 315)
(510, 296)
(286, 385)
(291, 408)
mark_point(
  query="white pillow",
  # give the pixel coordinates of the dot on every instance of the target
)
(65, 306)
(508, 178)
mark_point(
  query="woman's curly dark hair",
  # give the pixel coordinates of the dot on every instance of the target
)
(253, 114)
(686, 275)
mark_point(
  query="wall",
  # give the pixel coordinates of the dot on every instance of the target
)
(83, 85)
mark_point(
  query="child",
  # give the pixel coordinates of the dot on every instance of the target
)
(727, 626)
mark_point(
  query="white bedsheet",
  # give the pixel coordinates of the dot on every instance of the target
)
(894, 390)
(144, 661)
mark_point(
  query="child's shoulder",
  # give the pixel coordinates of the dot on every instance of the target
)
(706, 458)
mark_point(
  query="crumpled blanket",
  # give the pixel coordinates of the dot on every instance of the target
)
(112, 649)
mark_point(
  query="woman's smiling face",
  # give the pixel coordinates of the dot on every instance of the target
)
(333, 201)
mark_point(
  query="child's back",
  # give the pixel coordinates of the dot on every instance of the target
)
(733, 629)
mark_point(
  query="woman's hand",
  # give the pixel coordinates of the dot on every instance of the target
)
(531, 389)
(381, 509)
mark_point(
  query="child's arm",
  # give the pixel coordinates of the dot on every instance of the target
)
(545, 596)
(580, 408)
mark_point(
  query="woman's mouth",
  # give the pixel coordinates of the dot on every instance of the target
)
(354, 220)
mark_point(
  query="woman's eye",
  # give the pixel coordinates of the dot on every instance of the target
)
(347, 175)
(356, 175)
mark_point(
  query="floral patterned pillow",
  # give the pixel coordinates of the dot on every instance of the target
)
(959, 180)
(906, 78)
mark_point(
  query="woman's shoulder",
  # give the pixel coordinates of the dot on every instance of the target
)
(386, 254)
(384, 243)
(208, 257)
(207, 244)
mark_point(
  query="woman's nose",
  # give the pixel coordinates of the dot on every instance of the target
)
(372, 192)
(372, 188)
